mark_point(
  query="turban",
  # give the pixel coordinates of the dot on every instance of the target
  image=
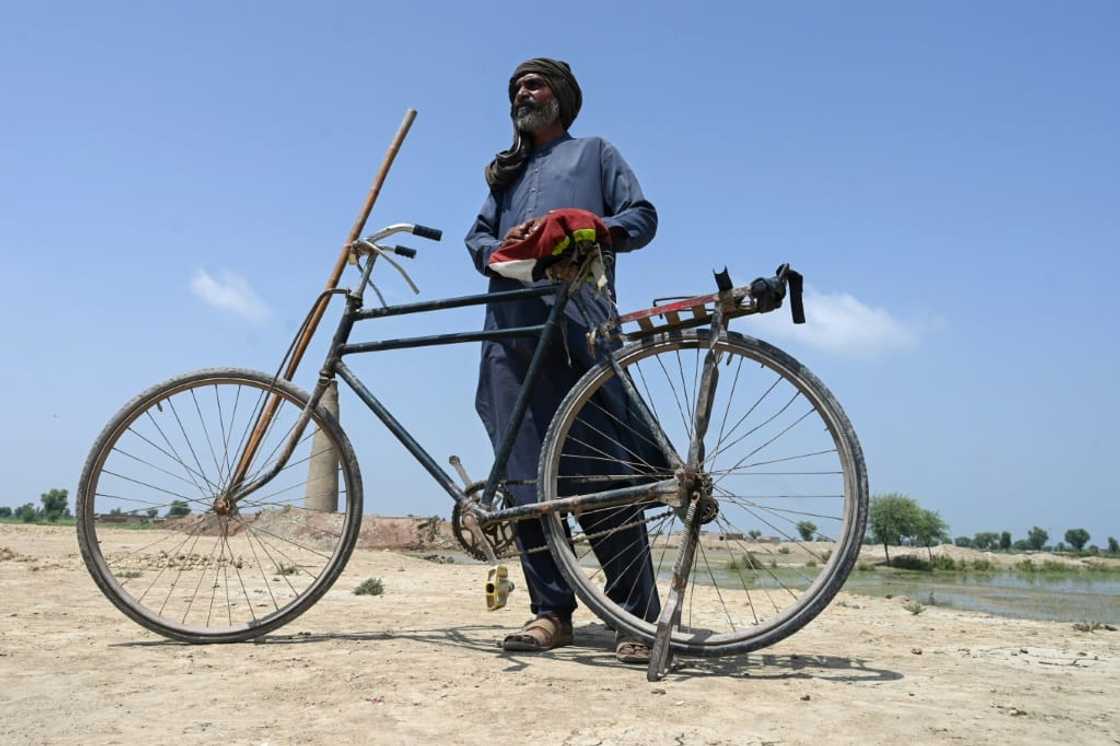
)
(501, 171)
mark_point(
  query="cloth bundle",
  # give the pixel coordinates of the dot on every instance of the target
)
(557, 232)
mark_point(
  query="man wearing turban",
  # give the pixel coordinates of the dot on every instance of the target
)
(547, 169)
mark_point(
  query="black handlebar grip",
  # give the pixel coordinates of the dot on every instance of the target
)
(404, 251)
(426, 232)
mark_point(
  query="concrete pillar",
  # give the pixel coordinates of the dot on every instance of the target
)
(322, 470)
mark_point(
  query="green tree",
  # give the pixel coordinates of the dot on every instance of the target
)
(178, 508)
(26, 512)
(1077, 538)
(1113, 545)
(1005, 540)
(54, 504)
(806, 529)
(1021, 545)
(892, 517)
(152, 512)
(1037, 538)
(754, 533)
(930, 529)
(963, 541)
(5, 511)
(985, 540)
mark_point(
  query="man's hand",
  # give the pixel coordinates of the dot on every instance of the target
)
(522, 231)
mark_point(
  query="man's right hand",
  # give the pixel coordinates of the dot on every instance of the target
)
(522, 231)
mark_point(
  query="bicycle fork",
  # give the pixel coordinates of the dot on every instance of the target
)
(701, 506)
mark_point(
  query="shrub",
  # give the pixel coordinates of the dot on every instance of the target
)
(864, 566)
(370, 587)
(914, 607)
(783, 550)
(283, 569)
(910, 562)
(943, 563)
(811, 563)
(826, 556)
(983, 565)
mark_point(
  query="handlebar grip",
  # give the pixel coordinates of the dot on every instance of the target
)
(426, 232)
(404, 251)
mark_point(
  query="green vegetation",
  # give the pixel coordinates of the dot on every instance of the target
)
(1113, 545)
(178, 508)
(783, 550)
(1037, 538)
(283, 569)
(806, 529)
(370, 587)
(895, 517)
(1077, 538)
(1005, 541)
(754, 533)
(914, 607)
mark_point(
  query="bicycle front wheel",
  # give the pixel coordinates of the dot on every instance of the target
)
(782, 464)
(162, 548)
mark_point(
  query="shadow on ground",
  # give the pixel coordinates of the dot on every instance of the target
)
(595, 647)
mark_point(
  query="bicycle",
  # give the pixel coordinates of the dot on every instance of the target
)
(610, 469)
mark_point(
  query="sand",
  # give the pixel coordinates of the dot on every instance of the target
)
(419, 664)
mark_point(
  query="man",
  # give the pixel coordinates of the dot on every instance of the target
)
(547, 169)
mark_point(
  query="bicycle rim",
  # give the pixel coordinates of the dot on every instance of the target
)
(149, 530)
(786, 470)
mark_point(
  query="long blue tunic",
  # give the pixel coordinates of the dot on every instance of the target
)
(590, 174)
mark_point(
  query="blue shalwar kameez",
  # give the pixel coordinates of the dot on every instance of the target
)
(589, 174)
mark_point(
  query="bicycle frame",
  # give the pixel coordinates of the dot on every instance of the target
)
(669, 491)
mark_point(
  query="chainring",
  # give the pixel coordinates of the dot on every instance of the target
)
(501, 535)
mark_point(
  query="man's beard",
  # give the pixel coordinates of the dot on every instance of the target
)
(531, 117)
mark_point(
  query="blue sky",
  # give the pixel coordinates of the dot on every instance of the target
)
(945, 175)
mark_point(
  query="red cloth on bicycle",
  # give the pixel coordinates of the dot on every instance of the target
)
(557, 232)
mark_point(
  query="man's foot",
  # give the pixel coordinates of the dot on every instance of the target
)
(546, 632)
(629, 650)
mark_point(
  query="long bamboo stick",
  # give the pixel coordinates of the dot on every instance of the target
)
(332, 282)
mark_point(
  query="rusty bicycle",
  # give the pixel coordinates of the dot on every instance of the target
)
(710, 459)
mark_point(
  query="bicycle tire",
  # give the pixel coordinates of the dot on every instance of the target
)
(111, 585)
(839, 563)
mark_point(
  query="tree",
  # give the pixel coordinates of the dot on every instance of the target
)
(5, 511)
(152, 512)
(806, 529)
(1005, 540)
(178, 508)
(985, 540)
(1037, 538)
(930, 529)
(1113, 545)
(54, 504)
(1060, 548)
(26, 512)
(892, 517)
(1020, 545)
(754, 533)
(963, 541)
(1077, 537)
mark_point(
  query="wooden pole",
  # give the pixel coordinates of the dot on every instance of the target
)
(332, 282)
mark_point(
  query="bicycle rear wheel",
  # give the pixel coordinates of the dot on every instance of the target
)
(782, 463)
(158, 548)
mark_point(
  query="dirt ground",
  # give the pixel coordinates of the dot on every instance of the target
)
(419, 665)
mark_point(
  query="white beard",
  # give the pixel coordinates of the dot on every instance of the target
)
(539, 118)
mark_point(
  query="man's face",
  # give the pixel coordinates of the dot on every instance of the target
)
(534, 104)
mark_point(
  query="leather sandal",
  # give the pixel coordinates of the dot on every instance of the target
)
(545, 632)
(629, 650)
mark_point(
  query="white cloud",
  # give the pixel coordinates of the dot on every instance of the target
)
(839, 322)
(229, 292)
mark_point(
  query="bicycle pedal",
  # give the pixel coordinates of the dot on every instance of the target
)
(498, 587)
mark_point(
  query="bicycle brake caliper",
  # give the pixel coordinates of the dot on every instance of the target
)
(498, 587)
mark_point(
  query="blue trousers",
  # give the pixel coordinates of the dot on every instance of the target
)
(605, 440)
